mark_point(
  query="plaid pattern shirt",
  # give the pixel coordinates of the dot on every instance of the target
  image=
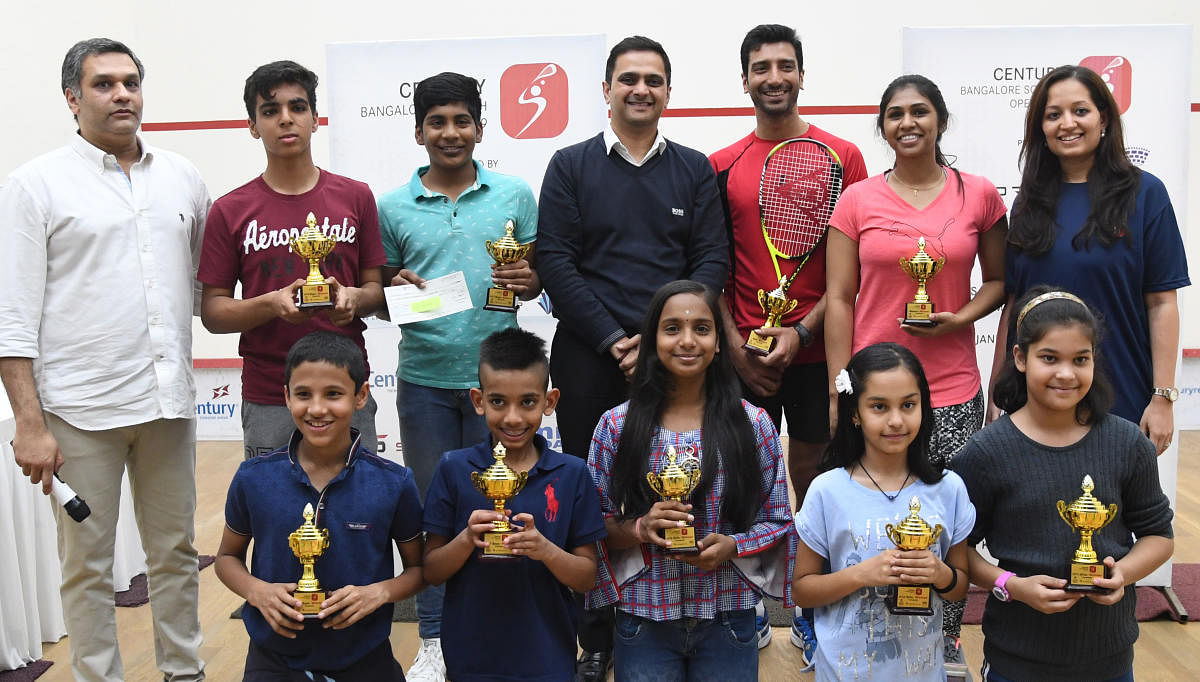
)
(661, 588)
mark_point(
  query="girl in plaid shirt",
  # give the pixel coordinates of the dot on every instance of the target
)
(690, 615)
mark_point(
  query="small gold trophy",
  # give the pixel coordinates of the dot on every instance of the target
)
(1086, 515)
(775, 304)
(922, 268)
(504, 251)
(499, 483)
(676, 481)
(912, 533)
(308, 542)
(312, 245)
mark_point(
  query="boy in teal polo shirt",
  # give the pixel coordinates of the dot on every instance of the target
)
(433, 226)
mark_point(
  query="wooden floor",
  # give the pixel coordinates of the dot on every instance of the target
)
(1165, 651)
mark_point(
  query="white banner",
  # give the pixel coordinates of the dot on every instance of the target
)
(539, 95)
(987, 75)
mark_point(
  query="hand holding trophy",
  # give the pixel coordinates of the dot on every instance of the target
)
(308, 543)
(676, 481)
(921, 267)
(1086, 515)
(504, 251)
(500, 484)
(912, 534)
(313, 245)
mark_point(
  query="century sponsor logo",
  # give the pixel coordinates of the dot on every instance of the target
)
(222, 405)
(1117, 74)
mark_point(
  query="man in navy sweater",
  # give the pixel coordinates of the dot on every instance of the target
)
(620, 215)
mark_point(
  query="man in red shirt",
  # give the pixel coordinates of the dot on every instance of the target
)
(792, 379)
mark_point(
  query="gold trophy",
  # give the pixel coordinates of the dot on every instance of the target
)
(312, 245)
(912, 534)
(921, 268)
(775, 304)
(504, 251)
(308, 542)
(500, 484)
(1086, 515)
(676, 481)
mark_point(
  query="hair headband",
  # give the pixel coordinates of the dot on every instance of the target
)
(1049, 295)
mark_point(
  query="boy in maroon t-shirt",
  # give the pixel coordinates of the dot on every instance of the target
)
(247, 239)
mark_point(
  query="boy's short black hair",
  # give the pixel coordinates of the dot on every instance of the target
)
(514, 349)
(329, 347)
(447, 88)
(765, 34)
(268, 77)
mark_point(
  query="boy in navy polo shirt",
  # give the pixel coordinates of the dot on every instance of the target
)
(365, 503)
(558, 512)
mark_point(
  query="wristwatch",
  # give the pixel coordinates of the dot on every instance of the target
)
(998, 590)
(1170, 393)
(806, 337)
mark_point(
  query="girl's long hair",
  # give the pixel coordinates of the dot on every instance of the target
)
(847, 446)
(1012, 392)
(728, 439)
(930, 91)
(1112, 182)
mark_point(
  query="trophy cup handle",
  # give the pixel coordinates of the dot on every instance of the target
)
(1062, 513)
(522, 479)
(937, 533)
(893, 534)
(762, 298)
(478, 483)
(1112, 514)
(655, 485)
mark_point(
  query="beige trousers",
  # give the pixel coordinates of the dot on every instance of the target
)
(160, 456)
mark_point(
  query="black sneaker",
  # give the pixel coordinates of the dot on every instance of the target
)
(955, 660)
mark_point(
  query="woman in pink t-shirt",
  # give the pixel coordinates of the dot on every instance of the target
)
(877, 223)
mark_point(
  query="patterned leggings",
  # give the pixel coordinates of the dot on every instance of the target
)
(953, 426)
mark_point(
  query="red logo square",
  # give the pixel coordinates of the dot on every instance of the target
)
(533, 100)
(1117, 72)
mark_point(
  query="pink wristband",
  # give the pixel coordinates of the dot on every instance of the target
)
(637, 529)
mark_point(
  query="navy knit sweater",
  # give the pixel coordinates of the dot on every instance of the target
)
(1014, 483)
(611, 233)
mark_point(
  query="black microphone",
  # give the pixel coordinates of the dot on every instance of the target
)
(74, 505)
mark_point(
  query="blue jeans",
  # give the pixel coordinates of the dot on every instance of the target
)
(434, 421)
(694, 649)
(990, 675)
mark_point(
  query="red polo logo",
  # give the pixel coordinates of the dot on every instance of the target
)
(533, 100)
(1117, 72)
(551, 512)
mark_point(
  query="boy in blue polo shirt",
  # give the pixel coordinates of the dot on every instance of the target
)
(435, 225)
(365, 503)
(557, 512)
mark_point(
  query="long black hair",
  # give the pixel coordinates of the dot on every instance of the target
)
(847, 446)
(1112, 181)
(1011, 391)
(727, 432)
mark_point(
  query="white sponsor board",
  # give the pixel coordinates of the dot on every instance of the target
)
(987, 75)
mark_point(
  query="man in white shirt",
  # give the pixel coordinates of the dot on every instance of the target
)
(97, 293)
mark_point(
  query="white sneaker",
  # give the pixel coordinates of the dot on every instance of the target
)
(428, 666)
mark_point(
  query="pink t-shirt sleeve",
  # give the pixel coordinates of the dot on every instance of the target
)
(845, 218)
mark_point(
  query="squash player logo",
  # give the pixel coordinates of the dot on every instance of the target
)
(533, 100)
(1117, 73)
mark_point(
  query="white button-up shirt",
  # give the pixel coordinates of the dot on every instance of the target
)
(614, 143)
(98, 282)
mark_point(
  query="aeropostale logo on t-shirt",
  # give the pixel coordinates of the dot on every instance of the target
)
(262, 237)
(534, 100)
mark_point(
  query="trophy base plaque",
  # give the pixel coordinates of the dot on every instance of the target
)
(683, 540)
(759, 344)
(501, 300)
(494, 547)
(917, 314)
(313, 296)
(310, 602)
(1082, 576)
(910, 600)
